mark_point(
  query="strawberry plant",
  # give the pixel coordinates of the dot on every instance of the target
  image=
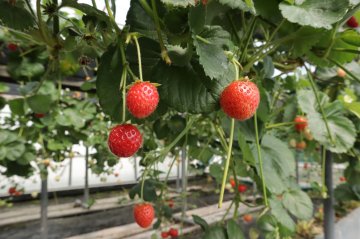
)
(240, 81)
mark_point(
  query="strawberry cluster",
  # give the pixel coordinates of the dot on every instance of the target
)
(173, 233)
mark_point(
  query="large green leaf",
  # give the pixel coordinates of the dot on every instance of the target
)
(17, 106)
(315, 13)
(239, 4)
(281, 215)
(108, 82)
(298, 203)
(179, 3)
(182, 89)
(216, 232)
(234, 231)
(342, 129)
(278, 163)
(15, 16)
(197, 17)
(210, 48)
(39, 103)
(201, 222)
(245, 149)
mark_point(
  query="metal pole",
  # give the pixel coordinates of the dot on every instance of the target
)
(178, 189)
(329, 213)
(44, 205)
(70, 171)
(135, 169)
(184, 178)
(86, 189)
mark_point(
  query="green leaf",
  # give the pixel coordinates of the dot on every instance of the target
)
(149, 191)
(268, 68)
(354, 107)
(210, 48)
(15, 16)
(245, 149)
(278, 163)
(39, 103)
(305, 38)
(17, 106)
(351, 37)
(217, 172)
(201, 222)
(247, 6)
(318, 14)
(215, 232)
(279, 212)
(108, 82)
(15, 150)
(197, 17)
(182, 89)
(4, 88)
(298, 203)
(342, 129)
(179, 3)
(234, 230)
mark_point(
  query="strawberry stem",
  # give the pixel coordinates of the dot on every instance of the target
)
(227, 163)
(270, 126)
(123, 85)
(139, 57)
(260, 160)
(143, 183)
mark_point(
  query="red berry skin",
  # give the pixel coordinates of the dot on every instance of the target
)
(242, 188)
(247, 218)
(142, 99)
(12, 190)
(300, 123)
(12, 46)
(352, 22)
(342, 179)
(124, 140)
(39, 115)
(240, 99)
(170, 203)
(165, 235)
(173, 232)
(232, 182)
(144, 214)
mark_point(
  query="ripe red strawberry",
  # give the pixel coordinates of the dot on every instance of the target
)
(300, 123)
(352, 22)
(165, 235)
(173, 232)
(142, 99)
(242, 188)
(247, 218)
(306, 165)
(124, 140)
(12, 46)
(144, 214)
(12, 190)
(240, 99)
(232, 182)
(342, 179)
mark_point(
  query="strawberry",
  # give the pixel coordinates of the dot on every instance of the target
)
(240, 99)
(124, 140)
(173, 232)
(300, 123)
(341, 73)
(12, 46)
(39, 115)
(242, 188)
(12, 190)
(342, 179)
(165, 235)
(247, 218)
(352, 22)
(170, 203)
(144, 214)
(232, 182)
(142, 99)
(306, 165)
(301, 145)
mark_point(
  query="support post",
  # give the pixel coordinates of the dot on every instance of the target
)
(86, 189)
(184, 165)
(329, 213)
(44, 204)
